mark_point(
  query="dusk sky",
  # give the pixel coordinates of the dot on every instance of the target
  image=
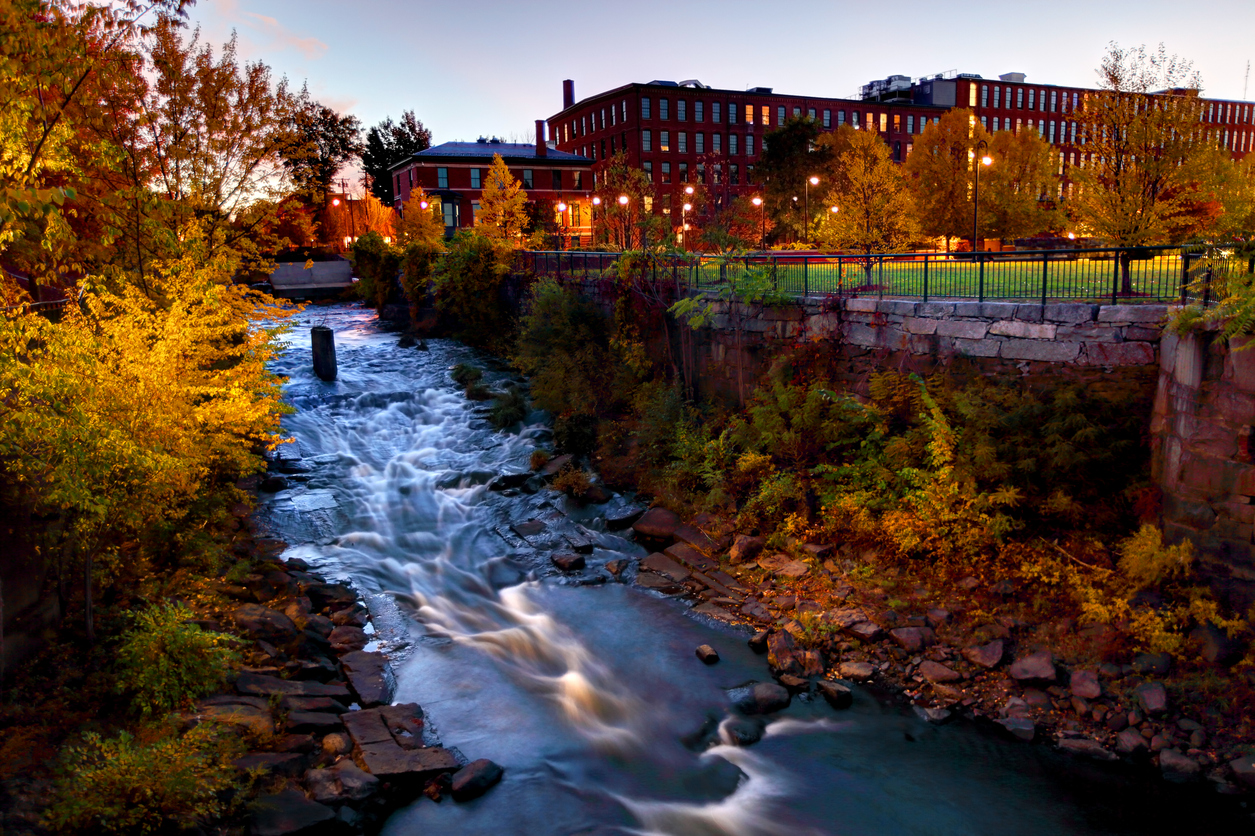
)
(492, 67)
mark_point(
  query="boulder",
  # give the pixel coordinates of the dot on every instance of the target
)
(746, 548)
(844, 617)
(1153, 664)
(1244, 770)
(857, 671)
(838, 695)
(288, 813)
(707, 654)
(1152, 697)
(936, 716)
(262, 685)
(690, 557)
(695, 537)
(794, 684)
(345, 639)
(657, 524)
(913, 639)
(985, 655)
(265, 624)
(555, 465)
(1173, 763)
(1130, 742)
(332, 596)
(1036, 667)
(935, 672)
(758, 641)
(474, 779)
(388, 760)
(1215, 645)
(665, 566)
(866, 631)
(621, 518)
(1084, 684)
(319, 624)
(742, 731)
(369, 676)
(763, 698)
(505, 481)
(343, 782)
(568, 561)
(1019, 727)
(666, 586)
(780, 653)
(312, 722)
(1087, 748)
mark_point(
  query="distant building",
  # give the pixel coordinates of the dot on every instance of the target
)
(454, 172)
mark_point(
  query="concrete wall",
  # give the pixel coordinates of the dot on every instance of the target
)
(1204, 454)
(294, 279)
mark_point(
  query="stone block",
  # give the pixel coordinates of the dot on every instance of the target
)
(977, 348)
(1070, 313)
(921, 344)
(898, 307)
(1167, 353)
(1029, 313)
(1132, 313)
(935, 309)
(863, 305)
(1051, 352)
(1133, 333)
(1099, 333)
(917, 325)
(1119, 354)
(968, 309)
(966, 330)
(998, 310)
(1022, 330)
(863, 335)
(1240, 364)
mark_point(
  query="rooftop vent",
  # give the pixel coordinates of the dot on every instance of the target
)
(661, 83)
(692, 82)
(1012, 77)
(759, 90)
(483, 140)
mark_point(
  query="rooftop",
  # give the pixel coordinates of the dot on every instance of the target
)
(484, 149)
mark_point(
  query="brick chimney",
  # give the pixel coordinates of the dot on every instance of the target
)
(568, 93)
(542, 149)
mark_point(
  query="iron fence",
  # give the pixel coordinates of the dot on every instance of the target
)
(1118, 275)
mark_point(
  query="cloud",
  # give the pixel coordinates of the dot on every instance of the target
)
(281, 37)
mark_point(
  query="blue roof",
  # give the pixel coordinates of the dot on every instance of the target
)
(507, 150)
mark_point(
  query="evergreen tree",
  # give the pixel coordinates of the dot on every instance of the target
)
(387, 144)
(502, 204)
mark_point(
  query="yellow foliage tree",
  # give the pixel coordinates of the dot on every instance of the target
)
(940, 168)
(501, 205)
(354, 217)
(419, 225)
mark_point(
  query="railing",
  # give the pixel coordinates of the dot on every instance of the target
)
(1118, 275)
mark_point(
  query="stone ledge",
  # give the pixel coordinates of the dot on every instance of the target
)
(1132, 313)
(1025, 330)
(1054, 352)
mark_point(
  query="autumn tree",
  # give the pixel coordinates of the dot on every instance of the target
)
(322, 142)
(790, 154)
(387, 144)
(1143, 154)
(875, 212)
(940, 168)
(626, 226)
(419, 223)
(1015, 188)
(502, 203)
(353, 218)
(739, 226)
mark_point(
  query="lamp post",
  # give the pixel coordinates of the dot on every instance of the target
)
(810, 181)
(762, 222)
(985, 160)
(592, 223)
(562, 225)
(623, 201)
(684, 218)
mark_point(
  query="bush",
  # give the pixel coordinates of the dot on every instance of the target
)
(468, 283)
(376, 263)
(464, 374)
(165, 663)
(573, 482)
(121, 785)
(539, 459)
(417, 266)
(575, 434)
(509, 408)
(1146, 561)
(564, 349)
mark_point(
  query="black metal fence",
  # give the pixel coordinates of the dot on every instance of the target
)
(1118, 275)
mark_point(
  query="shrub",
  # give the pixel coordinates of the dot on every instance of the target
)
(417, 266)
(539, 459)
(165, 663)
(467, 282)
(464, 374)
(564, 348)
(508, 408)
(120, 785)
(376, 263)
(573, 482)
(1146, 561)
(575, 434)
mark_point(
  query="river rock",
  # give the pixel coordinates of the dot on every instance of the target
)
(287, 813)
(742, 731)
(780, 653)
(935, 672)
(838, 696)
(665, 566)
(658, 583)
(555, 465)
(1036, 667)
(617, 566)
(1244, 770)
(936, 716)
(319, 624)
(621, 518)
(345, 639)
(287, 764)
(794, 684)
(1087, 748)
(263, 685)
(273, 483)
(1175, 764)
(913, 639)
(810, 661)
(1020, 727)
(505, 481)
(1130, 742)
(475, 779)
(265, 624)
(746, 548)
(332, 596)
(1084, 684)
(1216, 646)
(1154, 664)
(758, 641)
(1152, 697)
(783, 564)
(695, 537)
(657, 524)
(568, 561)
(866, 631)
(314, 722)
(707, 654)
(857, 671)
(763, 698)
(343, 782)
(985, 655)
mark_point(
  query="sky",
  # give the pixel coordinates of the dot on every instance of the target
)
(492, 67)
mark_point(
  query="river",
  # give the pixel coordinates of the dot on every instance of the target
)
(588, 691)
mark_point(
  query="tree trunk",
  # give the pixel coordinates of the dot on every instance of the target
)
(1126, 277)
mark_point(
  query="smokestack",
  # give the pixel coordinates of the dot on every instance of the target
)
(568, 93)
(541, 148)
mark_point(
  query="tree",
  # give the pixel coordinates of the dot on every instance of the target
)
(791, 153)
(353, 218)
(625, 226)
(739, 226)
(387, 144)
(875, 212)
(419, 224)
(1143, 154)
(502, 204)
(323, 141)
(1013, 187)
(940, 168)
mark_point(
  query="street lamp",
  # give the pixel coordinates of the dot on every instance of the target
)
(810, 181)
(762, 221)
(562, 225)
(684, 226)
(592, 224)
(985, 160)
(623, 201)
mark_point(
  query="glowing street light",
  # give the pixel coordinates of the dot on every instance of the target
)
(762, 222)
(623, 200)
(984, 160)
(335, 201)
(806, 203)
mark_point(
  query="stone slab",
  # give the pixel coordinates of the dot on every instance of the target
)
(263, 685)
(370, 677)
(1132, 313)
(388, 760)
(963, 328)
(1051, 352)
(1023, 330)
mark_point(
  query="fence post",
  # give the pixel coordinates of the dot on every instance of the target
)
(880, 276)
(980, 281)
(806, 284)
(1185, 274)
(806, 271)
(1207, 287)
(925, 277)
(1045, 272)
(1115, 280)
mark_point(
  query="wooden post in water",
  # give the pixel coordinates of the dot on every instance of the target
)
(324, 342)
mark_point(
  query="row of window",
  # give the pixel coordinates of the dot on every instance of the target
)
(1227, 113)
(1036, 99)
(699, 173)
(528, 178)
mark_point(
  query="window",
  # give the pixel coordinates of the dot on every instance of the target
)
(475, 210)
(749, 114)
(397, 180)
(732, 117)
(984, 95)
(664, 141)
(780, 114)
(645, 108)
(682, 142)
(1019, 123)
(603, 118)
(577, 181)
(827, 118)
(697, 112)
(583, 126)
(700, 142)
(841, 117)
(527, 179)
(718, 174)
(666, 172)
(648, 167)
(1019, 98)
(897, 152)
(612, 147)
(749, 174)
(732, 143)
(410, 172)
(1074, 101)
(1073, 132)
(1053, 94)
(749, 145)
(684, 172)
(603, 149)
(910, 123)
(647, 141)
(442, 179)
(701, 173)
(664, 108)
(984, 122)
(854, 120)
(734, 175)
(810, 113)
(557, 180)
(716, 143)
(797, 111)
(575, 215)
(971, 95)
(681, 110)
(997, 97)
(613, 114)
(475, 175)
(884, 123)
(1032, 98)
(714, 112)
(871, 121)
(996, 121)
(625, 110)
(897, 123)
(1041, 100)
(1052, 132)
(450, 211)
(766, 115)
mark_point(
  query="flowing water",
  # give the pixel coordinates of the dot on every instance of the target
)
(588, 691)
